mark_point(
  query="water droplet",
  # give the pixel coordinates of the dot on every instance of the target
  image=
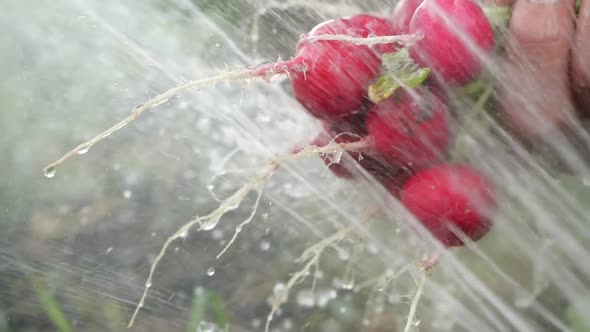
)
(265, 216)
(183, 235)
(305, 298)
(160, 102)
(198, 290)
(416, 323)
(109, 250)
(148, 284)
(84, 149)
(153, 233)
(347, 284)
(256, 323)
(217, 234)
(49, 172)
(206, 327)
(210, 271)
(238, 228)
(264, 245)
(586, 182)
(207, 226)
(127, 194)
(343, 255)
(287, 324)
(372, 249)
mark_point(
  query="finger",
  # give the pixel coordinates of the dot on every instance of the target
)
(498, 2)
(536, 93)
(581, 59)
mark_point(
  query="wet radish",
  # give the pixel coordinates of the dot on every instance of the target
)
(450, 196)
(456, 36)
(411, 132)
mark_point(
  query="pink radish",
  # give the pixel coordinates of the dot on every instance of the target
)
(402, 15)
(451, 195)
(408, 132)
(338, 73)
(456, 35)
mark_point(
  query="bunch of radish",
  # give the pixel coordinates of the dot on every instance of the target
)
(379, 86)
(391, 101)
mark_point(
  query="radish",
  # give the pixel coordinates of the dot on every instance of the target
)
(376, 26)
(338, 74)
(330, 74)
(454, 195)
(409, 132)
(395, 182)
(456, 36)
(402, 14)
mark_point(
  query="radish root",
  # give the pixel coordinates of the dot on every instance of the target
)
(405, 40)
(420, 283)
(267, 72)
(211, 220)
(205, 223)
(311, 258)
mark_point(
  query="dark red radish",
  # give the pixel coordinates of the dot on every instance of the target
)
(337, 74)
(411, 132)
(366, 159)
(396, 181)
(402, 15)
(454, 195)
(456, 36)
(352, 124)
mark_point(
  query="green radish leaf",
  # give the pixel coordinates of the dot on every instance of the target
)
(498, 16)
(398, 70)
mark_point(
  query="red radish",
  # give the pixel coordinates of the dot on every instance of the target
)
(329, 76)
(409, 132)
(352, 124)
(451, 195)
(376, 26)
(395, 182)
(337, 73)
(456, 35)
(403, 13)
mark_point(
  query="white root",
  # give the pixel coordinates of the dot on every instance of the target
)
(311, 256)
(420, 283)
(206, 223)
(405, 40)
(232, 202)
(242, 75)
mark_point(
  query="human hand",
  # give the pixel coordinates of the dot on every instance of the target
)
(547, 67)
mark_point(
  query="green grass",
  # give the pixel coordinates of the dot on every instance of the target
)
(52, 308)
(207, 299)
